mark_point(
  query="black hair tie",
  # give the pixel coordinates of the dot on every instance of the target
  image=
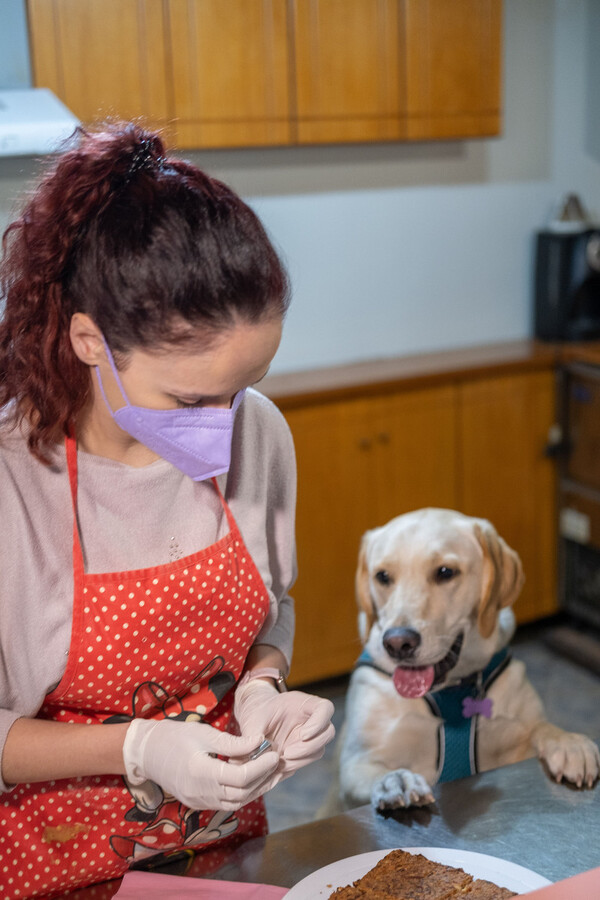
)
(143, 160)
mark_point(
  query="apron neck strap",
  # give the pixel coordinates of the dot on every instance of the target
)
(231, 521)
(71, 452)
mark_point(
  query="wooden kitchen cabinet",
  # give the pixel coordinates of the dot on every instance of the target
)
(505, 476)
(238, 73)
(433, 431)
(360, 462)
(348, 76)
(397, 69)
(102, 58)
(453, 62)
(230, 72)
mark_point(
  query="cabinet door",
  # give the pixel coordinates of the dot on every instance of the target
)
(506, 478)
(360, 463)
(416, 434)
(230, 72)
(336, 504)
(347, 77)
(452, 51)
(101, 57)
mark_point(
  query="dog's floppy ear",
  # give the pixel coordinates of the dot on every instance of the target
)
(366, 615)
(502, 576)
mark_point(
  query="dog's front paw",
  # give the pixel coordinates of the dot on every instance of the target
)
(571, 757)
(400, 789)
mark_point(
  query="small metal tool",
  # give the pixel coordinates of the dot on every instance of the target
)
(260, 749)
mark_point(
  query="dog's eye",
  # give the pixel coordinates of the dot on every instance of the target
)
(445, 573)
(383, 577)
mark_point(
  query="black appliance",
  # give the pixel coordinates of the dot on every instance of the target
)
(579, 493)
(567, 285)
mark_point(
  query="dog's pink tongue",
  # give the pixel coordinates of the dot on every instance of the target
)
(413, 682)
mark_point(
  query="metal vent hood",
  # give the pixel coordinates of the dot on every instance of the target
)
(33, 121)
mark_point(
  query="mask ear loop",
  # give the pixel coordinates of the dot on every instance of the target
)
(113, 366)
(237, 399)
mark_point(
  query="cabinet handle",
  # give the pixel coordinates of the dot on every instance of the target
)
(364, 444)
(384, 437)
(558, 444)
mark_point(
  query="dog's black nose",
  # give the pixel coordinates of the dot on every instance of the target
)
(401, 643)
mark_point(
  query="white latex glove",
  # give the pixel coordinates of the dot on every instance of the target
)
(297, 724)
(177, 756)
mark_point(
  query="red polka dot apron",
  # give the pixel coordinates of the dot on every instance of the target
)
(167, 641)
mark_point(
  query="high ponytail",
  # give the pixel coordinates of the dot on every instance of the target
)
(136, 240)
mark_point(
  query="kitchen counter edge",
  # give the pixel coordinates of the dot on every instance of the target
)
(387, 375)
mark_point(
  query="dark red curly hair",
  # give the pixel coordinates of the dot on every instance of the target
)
(136, 240)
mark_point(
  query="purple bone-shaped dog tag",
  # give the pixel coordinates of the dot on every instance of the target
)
(473, 706)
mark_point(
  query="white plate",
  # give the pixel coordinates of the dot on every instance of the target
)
(323, 882)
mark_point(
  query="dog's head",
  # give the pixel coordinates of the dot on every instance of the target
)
(430, 586)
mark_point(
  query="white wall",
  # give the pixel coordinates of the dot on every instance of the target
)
(396, 249)
(576, 90)
(14, 52)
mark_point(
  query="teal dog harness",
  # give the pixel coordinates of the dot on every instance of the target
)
(458, 708)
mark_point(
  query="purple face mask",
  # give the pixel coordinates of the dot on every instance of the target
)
(197, 441)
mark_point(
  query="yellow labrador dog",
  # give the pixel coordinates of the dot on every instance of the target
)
(436, 694)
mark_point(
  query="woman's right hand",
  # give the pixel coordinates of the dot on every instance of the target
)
(181, 757)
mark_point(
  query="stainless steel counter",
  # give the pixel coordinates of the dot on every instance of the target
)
(516, 813)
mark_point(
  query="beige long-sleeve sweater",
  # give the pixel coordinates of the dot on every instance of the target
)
(130, 518)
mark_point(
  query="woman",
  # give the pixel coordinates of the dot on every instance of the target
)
(147, 504)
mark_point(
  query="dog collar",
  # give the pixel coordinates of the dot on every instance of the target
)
(365, 659)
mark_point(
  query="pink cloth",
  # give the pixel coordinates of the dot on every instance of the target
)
(585, 886)
(153, 886)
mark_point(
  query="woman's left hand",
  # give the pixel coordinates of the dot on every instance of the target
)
(297, 724)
